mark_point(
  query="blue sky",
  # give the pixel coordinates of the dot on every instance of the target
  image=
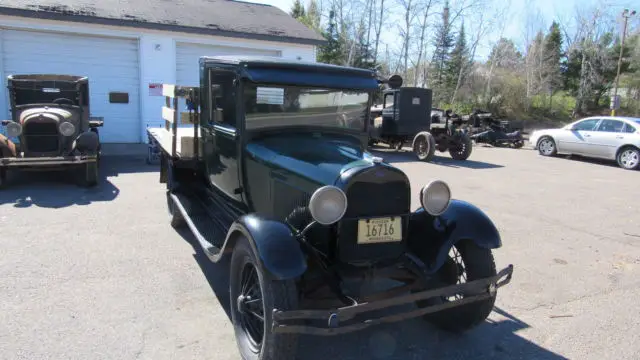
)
(515, 22)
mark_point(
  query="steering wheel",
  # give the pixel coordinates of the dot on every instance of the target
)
(63, 100)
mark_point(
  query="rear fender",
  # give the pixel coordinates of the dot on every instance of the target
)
(433, 236)
(275, 243)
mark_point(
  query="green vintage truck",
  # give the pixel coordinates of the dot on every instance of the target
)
(274, 174)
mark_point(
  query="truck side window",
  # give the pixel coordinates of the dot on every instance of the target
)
(223, 104)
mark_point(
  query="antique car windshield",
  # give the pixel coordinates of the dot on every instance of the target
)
(273, 105)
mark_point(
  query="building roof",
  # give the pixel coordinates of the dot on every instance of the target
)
(209, 17)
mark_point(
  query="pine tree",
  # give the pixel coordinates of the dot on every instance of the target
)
(333, 52)
(551, 63)
(297, 11)
(458, 59)
(443, 42)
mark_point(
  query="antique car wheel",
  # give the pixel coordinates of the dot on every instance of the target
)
(462, 151)
(518, 144)
(547, 147)
(424, 146)
(89, 174)
(629, 158)
(467, 262)
(3, 177)
(254, 296)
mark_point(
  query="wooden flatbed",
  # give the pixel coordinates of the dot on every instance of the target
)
(179, 143)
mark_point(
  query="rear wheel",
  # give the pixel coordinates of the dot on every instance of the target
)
(467, 262)
(629, 158)
(424, 146)
(254, 296)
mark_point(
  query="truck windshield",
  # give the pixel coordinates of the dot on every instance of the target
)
(275, 106)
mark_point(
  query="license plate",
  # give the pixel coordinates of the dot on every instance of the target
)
(380, 230)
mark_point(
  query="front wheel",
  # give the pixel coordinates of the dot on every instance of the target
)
(629, 158)
(463, 150)
(547, 147)
(254, 296)
(467, 262)
(89, 174)
(3, 177)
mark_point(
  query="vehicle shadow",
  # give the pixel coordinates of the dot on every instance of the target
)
(58, 189)
(406, 156)
(411, 339)
(595, 161)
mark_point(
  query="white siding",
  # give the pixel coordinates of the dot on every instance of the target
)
(111, 64)
(187, 56)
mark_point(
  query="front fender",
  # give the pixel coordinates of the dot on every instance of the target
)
(431, 237)
(273, 241)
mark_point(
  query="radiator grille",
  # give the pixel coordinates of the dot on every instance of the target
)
(367, 198)
(41, 136)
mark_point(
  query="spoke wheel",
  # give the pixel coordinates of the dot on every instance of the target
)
(463, 150)
(466, 262)
(629, 158)
(424, 146)
(251, 307)
(254, 295)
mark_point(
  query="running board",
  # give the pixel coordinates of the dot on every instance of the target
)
(201, 225)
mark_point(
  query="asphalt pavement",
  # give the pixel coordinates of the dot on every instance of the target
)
(100, 274)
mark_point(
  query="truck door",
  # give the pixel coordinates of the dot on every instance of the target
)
(221, 134)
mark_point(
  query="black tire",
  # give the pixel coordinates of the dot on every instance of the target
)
(547, 146)
(89, 174)
(628, 158)
(478, 263)
(254, 344)
(177, 220)
(463, 151)
(424, 146)
(3, 177)
(518, 144)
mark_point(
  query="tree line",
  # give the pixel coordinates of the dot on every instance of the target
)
(564, 70)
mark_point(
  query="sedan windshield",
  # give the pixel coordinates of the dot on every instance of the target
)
(271, 106)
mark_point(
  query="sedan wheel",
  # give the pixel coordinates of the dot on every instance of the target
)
(547, 147)
(629, 158)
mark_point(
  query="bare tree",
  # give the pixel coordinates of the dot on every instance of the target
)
(409, 13)
(423, 23)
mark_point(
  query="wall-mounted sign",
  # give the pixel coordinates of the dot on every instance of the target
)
(155, 89)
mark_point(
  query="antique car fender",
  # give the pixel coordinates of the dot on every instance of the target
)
(435, 235)
(275, 243)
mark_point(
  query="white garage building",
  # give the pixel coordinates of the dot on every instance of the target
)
(130, 45)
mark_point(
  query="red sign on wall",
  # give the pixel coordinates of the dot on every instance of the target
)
(155, 89)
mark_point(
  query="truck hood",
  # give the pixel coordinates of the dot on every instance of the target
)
(320, 159)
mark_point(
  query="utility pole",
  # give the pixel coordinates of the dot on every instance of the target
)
(626, 15)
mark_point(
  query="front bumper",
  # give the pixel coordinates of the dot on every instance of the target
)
(335, 316)
(31, 162)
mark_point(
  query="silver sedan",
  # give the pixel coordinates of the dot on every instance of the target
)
(605, 137)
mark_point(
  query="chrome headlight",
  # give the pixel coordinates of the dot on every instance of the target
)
(67, 129)
(435, 197)
(328, 205)
(13, 129)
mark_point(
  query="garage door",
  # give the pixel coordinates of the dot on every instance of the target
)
(110, 64)
(187, 56)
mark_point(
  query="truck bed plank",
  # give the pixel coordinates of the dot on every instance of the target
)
(184, 143)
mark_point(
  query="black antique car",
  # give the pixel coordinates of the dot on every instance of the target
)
(275, 175)
(50, 127)
(405, 117)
